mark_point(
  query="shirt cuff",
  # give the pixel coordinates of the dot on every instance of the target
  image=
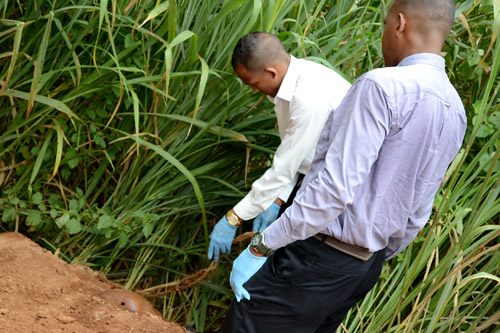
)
(274, 237)
(246, 210)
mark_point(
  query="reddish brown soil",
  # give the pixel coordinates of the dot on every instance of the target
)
(41, 293)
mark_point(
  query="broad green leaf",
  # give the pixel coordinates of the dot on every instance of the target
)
(54, 200)
(122, 239)
(484, 131)
(61, 221)
(9, 214)
(34, 218)
(37, 198)
(73, 204)
(139, 214)
(473, 57)
(72, 157)
(99, 140)
(494, 118)
(73, 226)
(147, 229)
(105, 221)
(108, 233)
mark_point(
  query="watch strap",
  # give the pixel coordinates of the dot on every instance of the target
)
(261, 246)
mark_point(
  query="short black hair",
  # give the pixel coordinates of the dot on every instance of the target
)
(440, 14)
(256, 50)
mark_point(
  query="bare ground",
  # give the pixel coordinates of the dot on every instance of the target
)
(39, 292)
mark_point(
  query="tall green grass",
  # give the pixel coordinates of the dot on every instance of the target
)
(126, 135)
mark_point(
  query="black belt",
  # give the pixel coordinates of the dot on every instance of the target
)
(352, 250)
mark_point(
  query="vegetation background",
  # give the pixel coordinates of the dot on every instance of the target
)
(125, 134)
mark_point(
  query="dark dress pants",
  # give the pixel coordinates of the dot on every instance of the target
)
(305, 286)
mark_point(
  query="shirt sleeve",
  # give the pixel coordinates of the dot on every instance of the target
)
(285, 194)
(347, 163)
(299, 138)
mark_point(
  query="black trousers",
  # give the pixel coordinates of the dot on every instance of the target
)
(305, 286)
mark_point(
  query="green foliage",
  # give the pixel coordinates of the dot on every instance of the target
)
(126, 135)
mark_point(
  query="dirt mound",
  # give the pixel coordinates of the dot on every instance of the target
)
(41, 293)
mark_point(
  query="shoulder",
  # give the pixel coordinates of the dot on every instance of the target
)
(403, 86)
(413, 80)
(308, 70)
(382, 77)
(401, 80)
(316, 81)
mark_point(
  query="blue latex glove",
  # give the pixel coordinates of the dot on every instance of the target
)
(244, 267)
(264, 219)
(221, 239)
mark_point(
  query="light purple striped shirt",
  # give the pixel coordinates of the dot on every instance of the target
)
(380, 159)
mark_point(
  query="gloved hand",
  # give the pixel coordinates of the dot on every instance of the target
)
(221, 239)
(244, 267)
(264, 219)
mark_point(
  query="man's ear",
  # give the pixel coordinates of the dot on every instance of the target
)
(272, 70)
(402, 23)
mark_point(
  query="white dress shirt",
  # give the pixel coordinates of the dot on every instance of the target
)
(308, 92)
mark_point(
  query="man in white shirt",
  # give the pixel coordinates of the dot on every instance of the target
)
(304, 94)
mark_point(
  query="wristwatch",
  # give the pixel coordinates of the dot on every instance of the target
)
(258, 244)
(233, 219)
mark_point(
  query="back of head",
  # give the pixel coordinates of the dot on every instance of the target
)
(434, 17)
(257, 50)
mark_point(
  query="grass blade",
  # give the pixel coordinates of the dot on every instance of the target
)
(39, 64)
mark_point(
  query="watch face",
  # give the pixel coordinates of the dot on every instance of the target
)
(256, 239)
(233, 220)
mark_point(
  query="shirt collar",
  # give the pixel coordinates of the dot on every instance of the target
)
(287, 87)
(424, 58)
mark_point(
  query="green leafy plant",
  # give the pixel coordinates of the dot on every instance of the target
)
(126, 134)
